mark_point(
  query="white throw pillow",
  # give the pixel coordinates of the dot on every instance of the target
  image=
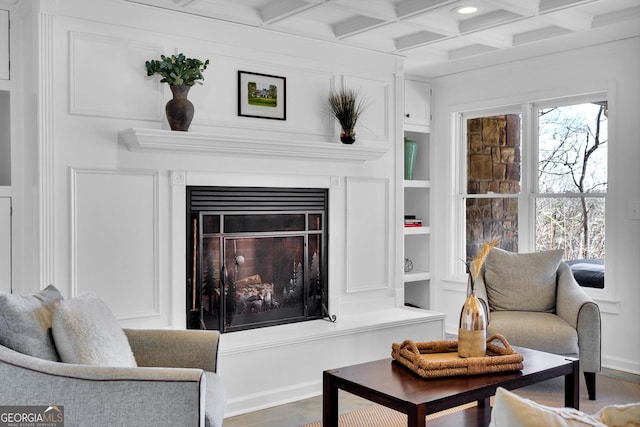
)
(627, 415)
(87, 333)
(511, 410)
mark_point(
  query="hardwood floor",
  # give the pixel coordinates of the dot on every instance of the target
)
(308, 410)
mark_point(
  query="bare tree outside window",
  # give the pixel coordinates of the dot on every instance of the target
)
(572, 179)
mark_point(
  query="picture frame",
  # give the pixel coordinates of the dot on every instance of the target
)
(262, 96)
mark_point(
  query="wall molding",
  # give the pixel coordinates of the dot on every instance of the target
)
(149, 185)
(136, 139)
(45, 147)
(366, 197)
(126, 88)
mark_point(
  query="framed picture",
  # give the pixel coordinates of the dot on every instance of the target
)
(262, 95)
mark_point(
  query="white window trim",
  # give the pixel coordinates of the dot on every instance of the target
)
(605, 298)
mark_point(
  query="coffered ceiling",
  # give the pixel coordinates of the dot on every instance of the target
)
(433, 37)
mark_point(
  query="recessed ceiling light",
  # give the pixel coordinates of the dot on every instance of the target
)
(466, 10)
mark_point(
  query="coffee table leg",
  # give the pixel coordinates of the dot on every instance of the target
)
(572, 387)
(417, 416)
(329, 401)
(484, 403)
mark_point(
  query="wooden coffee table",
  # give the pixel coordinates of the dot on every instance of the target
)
(390, 384)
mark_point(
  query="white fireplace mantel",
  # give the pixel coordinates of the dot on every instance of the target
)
(136, 139)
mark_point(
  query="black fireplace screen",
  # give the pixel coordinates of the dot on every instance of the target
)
(256, 268)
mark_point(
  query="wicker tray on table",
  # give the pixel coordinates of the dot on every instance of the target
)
(435, 359)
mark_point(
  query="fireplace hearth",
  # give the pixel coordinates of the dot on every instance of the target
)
(256, 256)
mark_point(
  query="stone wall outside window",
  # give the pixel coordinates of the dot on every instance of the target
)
(493, 166)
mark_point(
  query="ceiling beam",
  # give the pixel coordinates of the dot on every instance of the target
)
(356, 25)
(488, 20)
(570, 19)
(521, 7)
(550, 5)
(468, 51)
(418, 39)
(540, 34)
(617, 16)
(407, 8)
(279, 10)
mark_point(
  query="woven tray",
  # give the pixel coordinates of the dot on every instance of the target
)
(435, 359)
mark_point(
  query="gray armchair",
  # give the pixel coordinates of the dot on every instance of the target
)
(174, 384)
(535, 302)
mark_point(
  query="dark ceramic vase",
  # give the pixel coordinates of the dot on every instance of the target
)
(179, 110)
(347, 138)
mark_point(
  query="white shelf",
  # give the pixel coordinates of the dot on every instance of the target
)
(416, 276)
(417, 183)
(410, 231)
(237, 146)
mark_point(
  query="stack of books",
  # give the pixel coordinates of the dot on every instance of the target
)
(412, 221)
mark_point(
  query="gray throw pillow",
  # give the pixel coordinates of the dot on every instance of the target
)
(522, 282)
(87, 333)
(25, 322)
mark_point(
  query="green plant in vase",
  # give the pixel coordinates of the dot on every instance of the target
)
(346, 107)
(177, 70)
(180, 73)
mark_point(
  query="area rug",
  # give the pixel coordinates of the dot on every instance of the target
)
(380, 416)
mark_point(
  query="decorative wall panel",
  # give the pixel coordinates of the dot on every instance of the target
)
(121, 89)
(367, 262)
(375, 119)
(115, 239)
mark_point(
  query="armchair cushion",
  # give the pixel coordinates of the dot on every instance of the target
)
(25, 322)
(522, 281)
(87, 333)
(542, 331)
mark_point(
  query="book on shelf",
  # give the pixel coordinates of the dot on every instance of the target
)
(412, 221)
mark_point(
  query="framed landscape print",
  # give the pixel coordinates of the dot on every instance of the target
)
(262, 96)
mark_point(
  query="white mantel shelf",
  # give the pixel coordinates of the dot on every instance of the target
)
(136, 139)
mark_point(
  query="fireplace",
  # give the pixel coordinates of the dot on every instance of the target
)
(256, 256)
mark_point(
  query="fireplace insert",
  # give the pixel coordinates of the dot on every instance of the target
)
(256, 256)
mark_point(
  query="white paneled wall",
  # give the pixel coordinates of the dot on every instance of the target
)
(4, 44)
(5, 244)
(115, 239)
(367, 234)
(111, 215)
(121, 89)
(110, 225)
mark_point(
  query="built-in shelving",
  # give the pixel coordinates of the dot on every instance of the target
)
(410, 231)
(136, 139)
(416, 193)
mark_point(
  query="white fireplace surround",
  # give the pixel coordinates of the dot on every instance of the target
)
(181, 179)
(292, 357)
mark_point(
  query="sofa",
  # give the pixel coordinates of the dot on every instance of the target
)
(156, 377)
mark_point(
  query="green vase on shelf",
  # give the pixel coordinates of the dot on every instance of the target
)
(410, 152)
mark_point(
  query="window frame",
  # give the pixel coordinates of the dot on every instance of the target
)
(529, 181)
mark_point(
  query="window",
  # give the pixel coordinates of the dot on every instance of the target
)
(535, 177)
(493, 180)
(572, 179)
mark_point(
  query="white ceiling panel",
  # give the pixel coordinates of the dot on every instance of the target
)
(432, 36)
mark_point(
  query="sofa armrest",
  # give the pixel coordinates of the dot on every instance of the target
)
(92, 394)
(175, 348)
(581, 312)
